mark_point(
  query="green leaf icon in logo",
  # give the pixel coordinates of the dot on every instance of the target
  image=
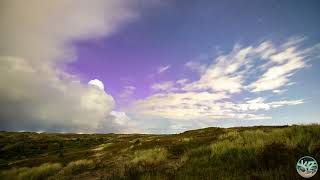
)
(307, 166)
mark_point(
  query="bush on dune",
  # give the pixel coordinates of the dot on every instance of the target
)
(150, 156)
(78, 166)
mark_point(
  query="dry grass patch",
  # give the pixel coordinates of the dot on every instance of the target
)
(150, 156)
(41, 172)
(78, 166)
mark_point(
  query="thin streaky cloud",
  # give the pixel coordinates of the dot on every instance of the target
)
(211, 96)
(163, 69)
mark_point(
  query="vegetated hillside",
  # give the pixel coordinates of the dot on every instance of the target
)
(211, 153)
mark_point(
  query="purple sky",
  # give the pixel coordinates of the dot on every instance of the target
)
(179, 32)
(166, 66)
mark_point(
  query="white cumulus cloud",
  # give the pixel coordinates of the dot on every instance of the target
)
(37, 38)
(97, 83)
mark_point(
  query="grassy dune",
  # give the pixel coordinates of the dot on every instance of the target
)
(211, 153)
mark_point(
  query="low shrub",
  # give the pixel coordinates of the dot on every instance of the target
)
(150, 156)
(77, 167)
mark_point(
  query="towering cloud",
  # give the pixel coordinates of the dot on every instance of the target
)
(37, 37)
(97, 83)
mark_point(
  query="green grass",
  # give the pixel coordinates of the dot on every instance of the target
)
(211, 153)
(34, 173)
(150, 156)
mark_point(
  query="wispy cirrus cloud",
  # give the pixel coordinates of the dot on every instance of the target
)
(281, 66)
(245, 71)
(196, 66)
(226, 74)
(163, 69)
(164, 86)
(159, 70)
(127, 91)
(177, 106)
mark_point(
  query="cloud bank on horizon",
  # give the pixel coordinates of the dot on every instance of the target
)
(39, 93)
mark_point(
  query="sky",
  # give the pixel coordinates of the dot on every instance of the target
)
(157, 66)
